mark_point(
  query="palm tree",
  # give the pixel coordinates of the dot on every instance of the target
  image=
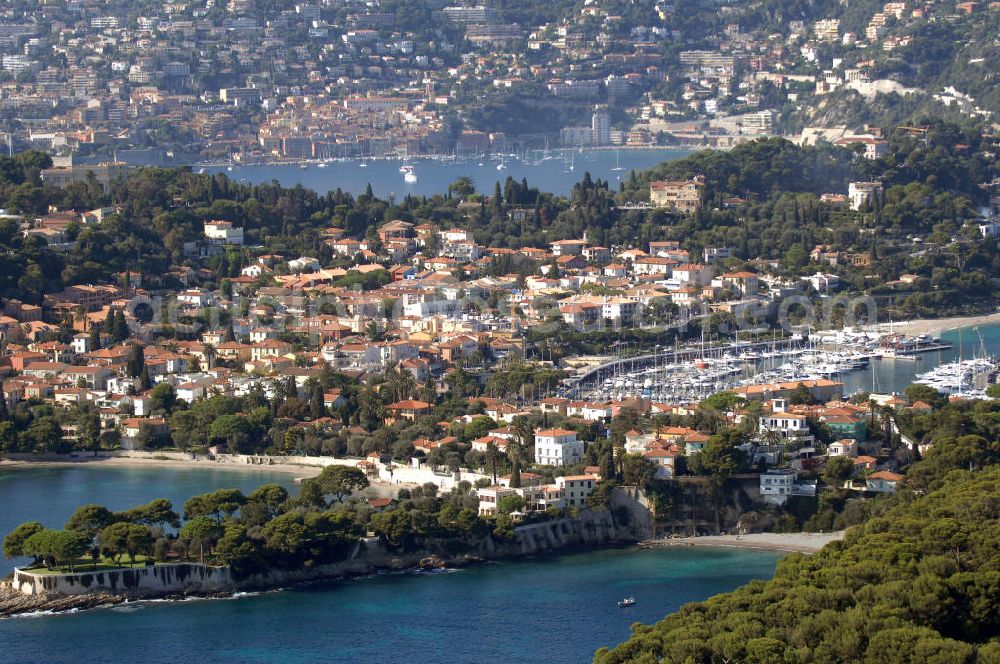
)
(518, 455)
(518, 448)
(771, 437)
(406, 385)
(618, 458)
(524, 433)
(887, 420)
(209, 353)
(370, 409)
(493, 457)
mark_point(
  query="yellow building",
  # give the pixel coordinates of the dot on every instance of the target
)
(681, 195)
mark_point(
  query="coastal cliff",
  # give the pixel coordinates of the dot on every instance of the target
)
(27, 591)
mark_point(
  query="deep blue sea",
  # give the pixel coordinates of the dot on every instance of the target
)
(434, 176)
(553, 609)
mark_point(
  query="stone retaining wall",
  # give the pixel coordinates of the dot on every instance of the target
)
(154, 580)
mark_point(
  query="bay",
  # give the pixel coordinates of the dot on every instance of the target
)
(555, 609)
(434, 175)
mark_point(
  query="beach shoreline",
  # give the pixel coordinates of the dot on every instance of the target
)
(936, 325)
(788, 542)
(302, 471)
(378, 488)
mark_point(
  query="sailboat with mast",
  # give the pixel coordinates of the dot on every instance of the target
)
(963, 378)
(409, 176)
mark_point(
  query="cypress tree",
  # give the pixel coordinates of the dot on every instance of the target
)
(120, 328)
(316, 402)
(607, 464)
(136, 362)
(497, 203)
(145, 382)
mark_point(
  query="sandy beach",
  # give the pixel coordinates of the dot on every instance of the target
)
(792, 542)
(936, 325)
(377, 489)
(127, 462)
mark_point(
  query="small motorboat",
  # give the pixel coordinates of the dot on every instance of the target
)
(626, 602)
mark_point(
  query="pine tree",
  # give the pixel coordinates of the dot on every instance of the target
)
(4, 413)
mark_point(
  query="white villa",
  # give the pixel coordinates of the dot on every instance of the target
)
(557, 447)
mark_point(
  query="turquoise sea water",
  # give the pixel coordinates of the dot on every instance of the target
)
(554, 609)
(433, 176)
(551, 609)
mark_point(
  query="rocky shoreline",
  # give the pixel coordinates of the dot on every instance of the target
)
(13, 603)
(25, 593)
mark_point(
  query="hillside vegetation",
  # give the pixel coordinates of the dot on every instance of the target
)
(918, 582)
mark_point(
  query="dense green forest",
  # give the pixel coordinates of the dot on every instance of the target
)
(919, 581)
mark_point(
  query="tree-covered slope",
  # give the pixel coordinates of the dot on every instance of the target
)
(919, 583)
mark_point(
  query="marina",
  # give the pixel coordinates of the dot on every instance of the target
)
(693, 372)
(965, 378)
